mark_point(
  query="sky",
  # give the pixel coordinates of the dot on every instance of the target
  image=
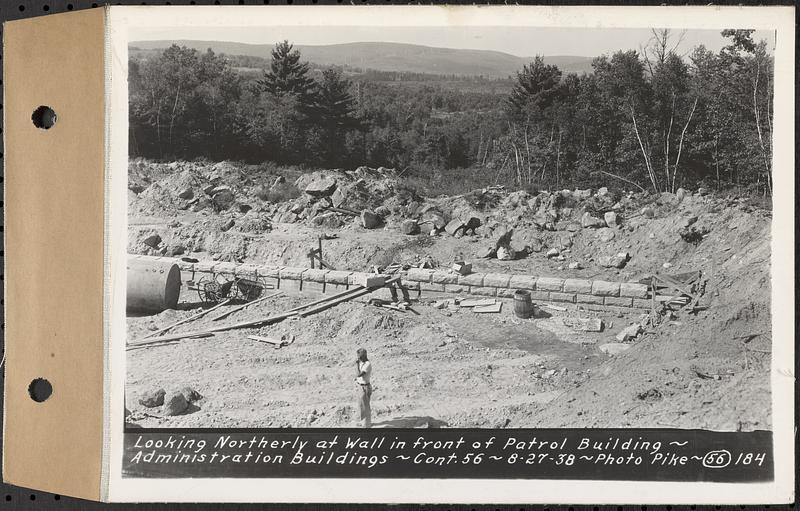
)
(519, 41)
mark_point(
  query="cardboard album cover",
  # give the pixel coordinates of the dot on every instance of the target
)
(499, 254)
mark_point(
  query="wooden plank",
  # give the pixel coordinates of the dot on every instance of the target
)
(283, 341)
(361, 291)
(268, 340)
(321, 307)
(237, 309)
(667, 298)
(477, 302)
(186, 320)
(326, 299)
(222, 328)
(494, 308)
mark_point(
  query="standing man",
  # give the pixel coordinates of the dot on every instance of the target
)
(363, 372)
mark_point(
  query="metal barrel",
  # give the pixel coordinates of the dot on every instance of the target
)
(153, 286)
(523, 308)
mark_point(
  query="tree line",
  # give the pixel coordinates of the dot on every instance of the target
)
(651, 119)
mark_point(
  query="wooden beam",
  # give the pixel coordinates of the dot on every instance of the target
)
(237, 309)
(186, 320)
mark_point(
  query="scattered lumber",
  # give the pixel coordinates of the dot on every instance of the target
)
(186, 320)
(302, 311)
(237, 309)
(554, 307)
(167, 339)
(680, 286)
(206, 333)
(493, 308)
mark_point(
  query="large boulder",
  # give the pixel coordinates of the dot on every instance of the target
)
(327, 221)
(582, 194)
(504, 240)
(629, 333)
(505, 253)
(370, 220)
(434, 218)
(453, 226)
(176, 249)
(606, 234)
(535, 245)
(589, 221)
(471, 225)
(322, 187)
(409, 227)
(611, 218)
(618, 260)
(222, 197)
(153, 398)
(152, 241)
(187, 193)
(190, 394)
(175, 404)
(338, 198)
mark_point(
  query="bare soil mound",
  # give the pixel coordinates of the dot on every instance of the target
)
(705, 370)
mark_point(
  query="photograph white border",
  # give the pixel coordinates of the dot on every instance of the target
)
(124, 20)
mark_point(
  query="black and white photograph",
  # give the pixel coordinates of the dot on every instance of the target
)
(491, 227)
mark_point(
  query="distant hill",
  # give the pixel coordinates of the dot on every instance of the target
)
(393, 57)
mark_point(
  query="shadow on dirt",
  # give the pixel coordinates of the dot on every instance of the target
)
(411, 422)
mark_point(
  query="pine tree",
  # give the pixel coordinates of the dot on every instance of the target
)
(535, 90)
(334, 115)
(288, 76)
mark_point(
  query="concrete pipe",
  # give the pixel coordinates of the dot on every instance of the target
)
(153, 286)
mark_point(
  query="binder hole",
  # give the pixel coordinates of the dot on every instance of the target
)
(44, 117)
(45, 7)
(21, 8)
(69, 7)
(40, 389)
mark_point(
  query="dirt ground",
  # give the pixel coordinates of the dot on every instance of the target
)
(439, 368)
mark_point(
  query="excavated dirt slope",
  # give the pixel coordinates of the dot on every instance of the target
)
(457, 368)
